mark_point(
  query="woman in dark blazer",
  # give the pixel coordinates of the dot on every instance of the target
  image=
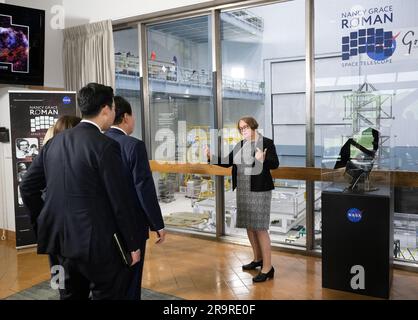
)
(251, 161)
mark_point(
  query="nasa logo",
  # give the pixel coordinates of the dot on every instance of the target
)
(66, 100)
(354, 215)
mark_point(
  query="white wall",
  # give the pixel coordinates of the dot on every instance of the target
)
(7, 217)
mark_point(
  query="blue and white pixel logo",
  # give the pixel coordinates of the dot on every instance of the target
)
(354, 215)
(377, 43)
(66, 100)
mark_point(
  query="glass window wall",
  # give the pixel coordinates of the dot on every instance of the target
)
(181, 116)
(127, 72)
(367, 77)
(263, 76)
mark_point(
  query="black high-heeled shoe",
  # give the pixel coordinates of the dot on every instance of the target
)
(253, 265)
(261, 277)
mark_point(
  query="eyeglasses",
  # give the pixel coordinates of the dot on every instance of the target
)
(241, 129)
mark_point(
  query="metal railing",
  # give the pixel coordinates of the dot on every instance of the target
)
(170, 72)
(248, 18)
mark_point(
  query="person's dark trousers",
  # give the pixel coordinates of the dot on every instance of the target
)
(134, 291)
(106, 281)
(53, 260)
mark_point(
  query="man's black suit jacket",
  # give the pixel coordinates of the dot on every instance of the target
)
(138, 172)
(86, 199)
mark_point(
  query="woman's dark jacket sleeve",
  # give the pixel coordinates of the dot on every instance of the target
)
(227, 161)
(271, 161)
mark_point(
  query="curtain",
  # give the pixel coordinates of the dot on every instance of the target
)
(88, 55)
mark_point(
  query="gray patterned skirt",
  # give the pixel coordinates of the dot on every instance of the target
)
(253, 208)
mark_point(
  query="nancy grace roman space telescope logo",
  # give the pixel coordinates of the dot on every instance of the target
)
(378, 44)
(41, 123)
(14, 45)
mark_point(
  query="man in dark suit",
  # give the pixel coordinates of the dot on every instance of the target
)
(141, 183)
(84, 203)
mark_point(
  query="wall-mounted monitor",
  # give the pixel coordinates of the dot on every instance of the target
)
(22, 38)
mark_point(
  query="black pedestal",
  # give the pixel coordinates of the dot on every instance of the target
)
(357, 241)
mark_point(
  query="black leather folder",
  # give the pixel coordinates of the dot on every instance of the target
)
(125, 254)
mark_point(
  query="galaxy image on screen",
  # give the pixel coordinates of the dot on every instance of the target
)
(14, 45)
(22, 45)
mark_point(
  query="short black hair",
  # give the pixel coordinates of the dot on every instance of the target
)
(93, 98)
(122, 106)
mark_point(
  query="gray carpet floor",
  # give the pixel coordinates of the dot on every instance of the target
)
(43, 291)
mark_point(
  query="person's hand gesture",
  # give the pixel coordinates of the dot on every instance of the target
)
(260, 155)
(206, 150)
(160, 236)
(136, 256)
